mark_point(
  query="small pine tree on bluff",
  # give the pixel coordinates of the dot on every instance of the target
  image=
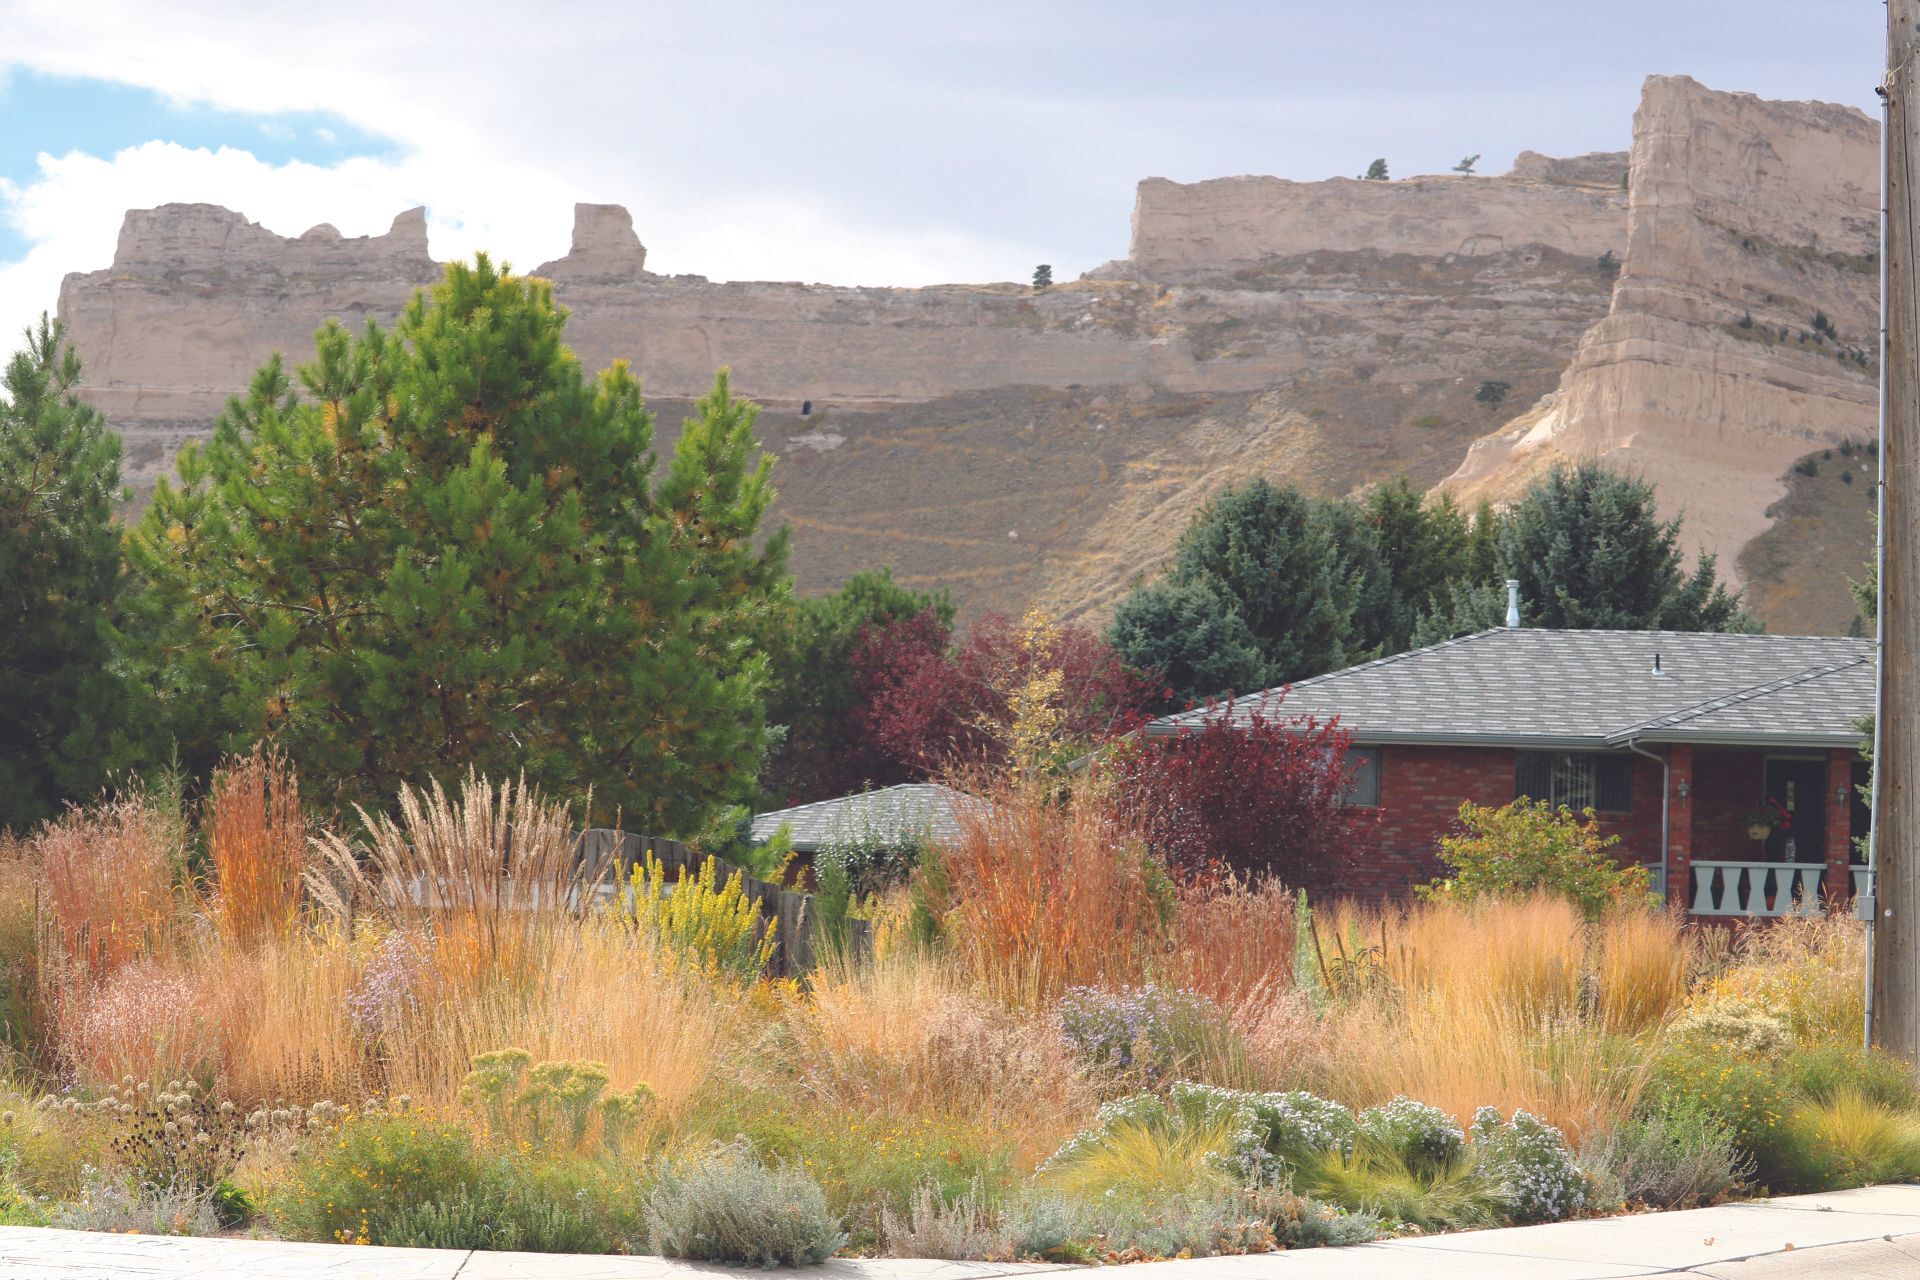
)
(66, 720)
(448, 550)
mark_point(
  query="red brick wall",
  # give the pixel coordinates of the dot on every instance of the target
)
(1728, 784)
(1421, 790)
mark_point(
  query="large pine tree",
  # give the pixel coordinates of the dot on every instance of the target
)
(66, 720)
(447, 550)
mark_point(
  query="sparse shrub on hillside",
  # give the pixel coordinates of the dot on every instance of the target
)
(1492, 392)
(1376, 171)
(1043, 276)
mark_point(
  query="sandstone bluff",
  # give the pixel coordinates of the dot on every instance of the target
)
(1646, 306)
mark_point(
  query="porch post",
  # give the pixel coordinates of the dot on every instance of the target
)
(1838, 855)
(1680, 827)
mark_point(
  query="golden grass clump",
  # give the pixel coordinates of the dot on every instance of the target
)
(1641, 963)
(488, 877)
(108, 875)
(907, 1034)
(1804, 970)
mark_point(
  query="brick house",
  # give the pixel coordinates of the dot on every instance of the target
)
(1673, 738)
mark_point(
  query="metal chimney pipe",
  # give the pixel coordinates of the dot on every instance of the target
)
(1513, 602)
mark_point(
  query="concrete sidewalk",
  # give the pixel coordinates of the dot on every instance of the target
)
(1869, 1234)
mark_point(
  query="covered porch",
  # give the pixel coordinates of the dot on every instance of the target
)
(1763, 831)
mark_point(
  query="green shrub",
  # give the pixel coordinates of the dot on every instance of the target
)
(1675, 1157)
(1529, 846)
(398, 1179)
(1376, 1179)
(729, 1207)
(1266, 1134)
(547, 1102)
(1749, 1097)
(1424, 1137)
(1850, 1140)
(868, 1165)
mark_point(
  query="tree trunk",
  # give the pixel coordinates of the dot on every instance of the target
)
(1896, 942)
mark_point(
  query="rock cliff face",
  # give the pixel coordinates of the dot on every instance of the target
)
(1741, 334)
(1015, 445)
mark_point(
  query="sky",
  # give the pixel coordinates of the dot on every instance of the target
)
(843, 141)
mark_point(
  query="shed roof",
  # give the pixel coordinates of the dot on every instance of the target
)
(1593, 689)
(913, 810)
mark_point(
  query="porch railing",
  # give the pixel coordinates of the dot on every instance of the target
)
(1756, 889)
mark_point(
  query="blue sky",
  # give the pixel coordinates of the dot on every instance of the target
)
(58, 114)
(849, 141)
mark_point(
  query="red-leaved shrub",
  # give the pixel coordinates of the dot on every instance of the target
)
(1247, 792)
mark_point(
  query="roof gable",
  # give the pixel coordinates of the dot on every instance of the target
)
(1539, 687)
(913, 810)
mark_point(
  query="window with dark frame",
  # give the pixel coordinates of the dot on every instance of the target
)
(1363, 785)
(1575, 779)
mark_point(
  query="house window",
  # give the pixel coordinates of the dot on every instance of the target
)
(1363, 785)
(1576, 779)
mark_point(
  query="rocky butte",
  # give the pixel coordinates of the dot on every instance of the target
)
(1017, 446)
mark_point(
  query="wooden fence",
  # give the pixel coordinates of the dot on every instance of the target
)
(607, 858)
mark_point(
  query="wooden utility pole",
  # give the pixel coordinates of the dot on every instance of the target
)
(1894, 1019)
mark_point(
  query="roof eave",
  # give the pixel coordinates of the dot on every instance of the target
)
(1783, 741)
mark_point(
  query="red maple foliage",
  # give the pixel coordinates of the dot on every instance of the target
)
(1247, 794)
(923, 706)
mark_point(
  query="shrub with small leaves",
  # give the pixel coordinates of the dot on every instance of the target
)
(1528, 1158)
(1268, 1134)
(124, 1202)
(731, 1207)
(1423, 1136)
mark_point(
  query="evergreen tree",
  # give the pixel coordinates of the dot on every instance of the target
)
(812, 694)
(1263, 590)
(1590, 551)
(1194, 639)
(447, 552)
(1482, 558)
(1424, 547)
(66, 716)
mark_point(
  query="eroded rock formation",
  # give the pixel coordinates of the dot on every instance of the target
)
(1013, 444)
(1741, 334)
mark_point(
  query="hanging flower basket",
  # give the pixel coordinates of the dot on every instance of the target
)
(1771, 815)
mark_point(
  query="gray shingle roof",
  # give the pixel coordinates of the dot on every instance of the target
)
(913, 810)
(1536, 687)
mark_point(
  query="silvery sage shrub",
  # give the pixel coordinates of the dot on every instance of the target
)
(731, 1207)
(1150, 1029)
(1529, 1160)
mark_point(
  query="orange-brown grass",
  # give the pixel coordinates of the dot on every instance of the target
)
(1461, 1056)
(1049, 891)
(1468, 1004)
(1234, 941)
(905, 1035)
(257, 842)
(282, 1013)
(108, 877)
(1641, 962)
